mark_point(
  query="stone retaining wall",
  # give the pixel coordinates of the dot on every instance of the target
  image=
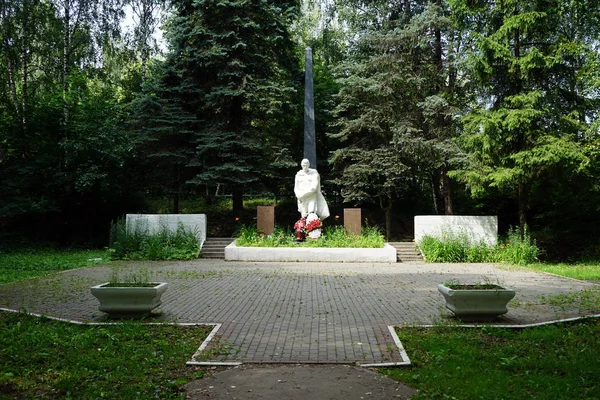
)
(156, 222)
(476, 227)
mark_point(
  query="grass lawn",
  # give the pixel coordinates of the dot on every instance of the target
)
(43, 358)
(583, 271)
(549, 362)
(16, 265)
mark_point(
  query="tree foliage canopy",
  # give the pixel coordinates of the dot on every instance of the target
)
(445, 106)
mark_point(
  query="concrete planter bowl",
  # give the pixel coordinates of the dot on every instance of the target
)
(128, 301)
(470, 303)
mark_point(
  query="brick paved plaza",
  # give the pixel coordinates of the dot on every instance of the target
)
(297, 312)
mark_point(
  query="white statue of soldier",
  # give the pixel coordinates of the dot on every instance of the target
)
(308, 191)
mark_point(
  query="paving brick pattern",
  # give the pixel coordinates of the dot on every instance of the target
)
(297, 312)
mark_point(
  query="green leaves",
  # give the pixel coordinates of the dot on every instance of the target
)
(368, 174)
(524, 128)
(140, 244)
(233, 62)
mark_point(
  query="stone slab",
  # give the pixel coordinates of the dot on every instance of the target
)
(352, 221)
(265, 219)
(316, 254)
(310, 141)
(155, 222)
(476, 227)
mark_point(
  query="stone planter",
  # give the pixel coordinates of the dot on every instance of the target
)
(471, 304)
(123, 301)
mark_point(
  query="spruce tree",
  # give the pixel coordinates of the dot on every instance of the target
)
(525, 127)
(394, 110)
(235, 60)
(163, 130)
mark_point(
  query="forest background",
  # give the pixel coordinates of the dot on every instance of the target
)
(422, 107)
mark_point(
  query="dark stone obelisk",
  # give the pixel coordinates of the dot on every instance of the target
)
(310, 142)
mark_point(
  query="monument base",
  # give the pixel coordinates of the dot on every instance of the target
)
(386, 253)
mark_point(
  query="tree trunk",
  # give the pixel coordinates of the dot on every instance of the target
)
(523, 205)
(446, 189)
(237, 197)
(24, 71)
(176, 202)
(24, 66)
(438, 49)
(144, 22)
(452, 73)
(11, 82)
(176, 189)
(386, 205)
(435, 192)
(388, 222)
(19, 104)
(65, 59)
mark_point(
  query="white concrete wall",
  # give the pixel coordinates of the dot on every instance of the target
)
(313, 254)
(476, 227)
(155, 222)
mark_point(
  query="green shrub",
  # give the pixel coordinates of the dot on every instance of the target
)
(452, 248)
(459, 248)
(139, 244)
(517, 250)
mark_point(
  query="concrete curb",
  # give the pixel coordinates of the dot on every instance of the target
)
(314, 254)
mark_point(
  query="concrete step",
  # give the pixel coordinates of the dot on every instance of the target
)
(214, 248)
(404, 245)
(409, 259)
(213, 251)
(219, 240)
(407, 252)
(213, 256)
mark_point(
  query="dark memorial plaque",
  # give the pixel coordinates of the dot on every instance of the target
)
(265, 219)
(352, 221)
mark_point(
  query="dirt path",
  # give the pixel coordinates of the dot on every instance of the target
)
(297, 382)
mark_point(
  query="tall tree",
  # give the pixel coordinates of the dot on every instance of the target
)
(235, 59)
(148, 14)
(397, 100)
(26, 28)
(57, 159)
(524, 129)
(163, 135)
(85, 25)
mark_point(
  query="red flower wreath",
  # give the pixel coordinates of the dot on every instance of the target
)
(303, 227)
